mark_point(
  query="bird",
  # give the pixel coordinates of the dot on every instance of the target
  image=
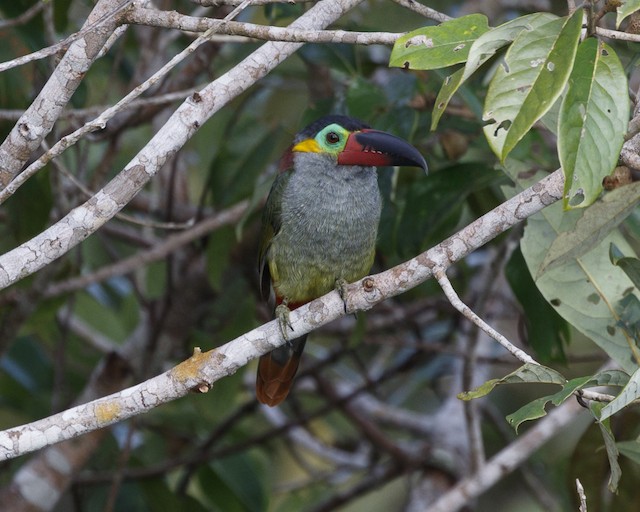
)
(319, 226)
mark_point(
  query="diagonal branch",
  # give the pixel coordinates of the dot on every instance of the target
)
(509, 459)
(203, 369)
(181, 126)
(456, 302)
(38, 120)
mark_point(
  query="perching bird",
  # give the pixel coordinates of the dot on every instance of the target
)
(320, 224)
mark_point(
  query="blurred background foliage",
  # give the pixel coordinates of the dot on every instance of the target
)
(220, 451)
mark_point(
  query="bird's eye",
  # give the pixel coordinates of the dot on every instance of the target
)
(332, 137)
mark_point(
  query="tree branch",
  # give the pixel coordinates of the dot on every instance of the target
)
(38, 120)
(509, 459)
(175, 20)
(181, 126)
(203, 369)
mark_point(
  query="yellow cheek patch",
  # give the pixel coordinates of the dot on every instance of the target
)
(307, 146)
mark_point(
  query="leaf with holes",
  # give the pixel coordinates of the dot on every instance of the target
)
(592, 123)
(585, 290)
(482, 50)
(531, 373)
(490, 42)
(439, 46)
(450, 85)
(628, 394)
(596, 223)
(534, 73)
(626, 9)
(537, 408)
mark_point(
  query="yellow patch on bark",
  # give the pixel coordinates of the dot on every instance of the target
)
(190, 368)
(106, 412)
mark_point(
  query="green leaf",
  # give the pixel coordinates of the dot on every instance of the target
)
(629, 310)
(596, 223)
(609, 378)
(482, 50)
(490, 42)
(630, 449)
(628, 394)
(596, 103)
(627, 8)
(610, 446)
(532, 77)
(568, 389)
(438, 46)
(537, 408)
(449, 87)
(585, 290)
(630, 266)
(240, 475)
(546, 329)
(532, 411)
(529, 372)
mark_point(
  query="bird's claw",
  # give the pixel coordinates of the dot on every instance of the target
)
(282, 314)
(341, 288)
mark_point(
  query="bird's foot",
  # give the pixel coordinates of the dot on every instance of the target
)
(341, 288)
(282, 314)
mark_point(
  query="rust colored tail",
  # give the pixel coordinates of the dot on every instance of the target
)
(276, 371)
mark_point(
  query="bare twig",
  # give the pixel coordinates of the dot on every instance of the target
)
(581, 495)
(38, 120)
(616, 34)
(24, 17)
(157, 252)
(99, 122)
(175, 20)
(445, 284)
(423, 10)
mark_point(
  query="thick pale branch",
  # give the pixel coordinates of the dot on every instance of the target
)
(203, 369)
(99, 122)
(175, 20)
(196, 110)
(38, 120)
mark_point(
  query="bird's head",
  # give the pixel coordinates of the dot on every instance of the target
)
(348, 141)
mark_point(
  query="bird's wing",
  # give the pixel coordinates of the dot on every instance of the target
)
(271, 222)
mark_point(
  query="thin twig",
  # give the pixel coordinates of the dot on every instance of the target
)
(24, 17)
(99, 122)
(423, 10)
(157, 252)
(62, 45)
(62, 169)
(441, 276)
(616, 34)
(581, 495)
